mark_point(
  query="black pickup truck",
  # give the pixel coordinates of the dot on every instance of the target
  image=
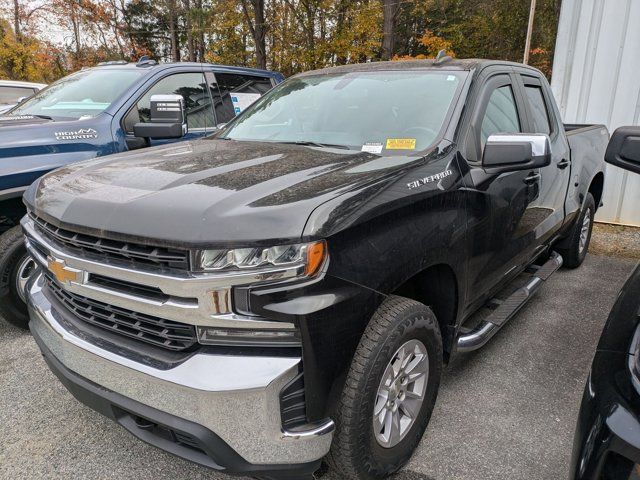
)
(291, 288)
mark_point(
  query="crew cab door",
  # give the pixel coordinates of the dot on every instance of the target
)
(198, 107)
(554, 179)
(502, 212)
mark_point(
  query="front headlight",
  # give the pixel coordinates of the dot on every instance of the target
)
(309, 257)
(257, 265)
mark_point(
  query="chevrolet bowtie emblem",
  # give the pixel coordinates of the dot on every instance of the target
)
(62, 272)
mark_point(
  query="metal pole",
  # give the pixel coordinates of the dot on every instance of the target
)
(527, 44)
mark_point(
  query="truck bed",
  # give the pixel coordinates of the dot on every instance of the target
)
(587, 144)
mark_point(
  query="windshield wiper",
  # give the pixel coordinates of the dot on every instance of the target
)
(309, 143)
(44, 117)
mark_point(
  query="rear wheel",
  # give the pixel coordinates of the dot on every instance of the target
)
(576, 251)
(16, 266)
(389, 393)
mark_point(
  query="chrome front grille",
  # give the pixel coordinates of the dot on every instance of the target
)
(148, 302)
(133, 253)
(146, 328)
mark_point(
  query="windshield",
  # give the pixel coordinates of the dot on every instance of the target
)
(80, 95)
(391, 111)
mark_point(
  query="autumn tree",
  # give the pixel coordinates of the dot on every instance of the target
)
(27, 58)
(285, 35)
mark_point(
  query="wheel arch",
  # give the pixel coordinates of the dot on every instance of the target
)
(11, 211)
(437, 287)
(596, 188)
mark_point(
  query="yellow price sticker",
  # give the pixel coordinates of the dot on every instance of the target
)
(401, 143)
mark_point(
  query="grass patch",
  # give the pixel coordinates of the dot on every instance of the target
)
(615, 240)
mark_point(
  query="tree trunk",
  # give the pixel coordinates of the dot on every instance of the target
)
(341, 58)
(200, 31)
(258, 29)
(173, 31)
(189, 27)
(261, 33)
(75, 22)
(389, 15)
(16, 20)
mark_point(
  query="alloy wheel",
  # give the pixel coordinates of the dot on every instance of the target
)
(401, 393)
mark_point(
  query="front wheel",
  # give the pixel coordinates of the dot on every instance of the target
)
(576, 251)
(389, 393)
(16, 266)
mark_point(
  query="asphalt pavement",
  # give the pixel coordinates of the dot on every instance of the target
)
(507, 411)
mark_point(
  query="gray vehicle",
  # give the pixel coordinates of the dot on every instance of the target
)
(12, 92)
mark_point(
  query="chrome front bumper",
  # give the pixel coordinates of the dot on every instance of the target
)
(235, 397)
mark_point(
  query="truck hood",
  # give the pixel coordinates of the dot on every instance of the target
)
(209, 192)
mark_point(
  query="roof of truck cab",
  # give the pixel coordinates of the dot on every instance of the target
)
(161, 66)
(449, 64)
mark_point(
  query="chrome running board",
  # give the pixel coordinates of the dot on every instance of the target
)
(507, 309)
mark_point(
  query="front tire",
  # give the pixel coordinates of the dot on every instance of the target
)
(15, 268)
(389, 392)
(576, 251)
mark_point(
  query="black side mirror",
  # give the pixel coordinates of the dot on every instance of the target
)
(510, 152)
(624, 149)
(168, 119)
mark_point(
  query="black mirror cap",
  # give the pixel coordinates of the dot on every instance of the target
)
(159, 131)
(514, 152)
(624, 149)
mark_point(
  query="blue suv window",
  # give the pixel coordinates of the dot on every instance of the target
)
(192, 87)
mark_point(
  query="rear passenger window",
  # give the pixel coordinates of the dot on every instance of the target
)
(235, 83)
(541, 123)
(237, 92)
(501, 115)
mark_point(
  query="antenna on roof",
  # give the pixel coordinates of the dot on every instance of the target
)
(441, 57)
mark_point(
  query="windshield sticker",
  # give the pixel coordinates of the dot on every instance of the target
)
(430, 179)
(82, 134)
(372, 147)
(242, 100)
(401, 143)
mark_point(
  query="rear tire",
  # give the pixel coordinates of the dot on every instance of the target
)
(578, 243)
(360, 450)
(13, 255)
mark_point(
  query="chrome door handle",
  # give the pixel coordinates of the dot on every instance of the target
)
(562, 164)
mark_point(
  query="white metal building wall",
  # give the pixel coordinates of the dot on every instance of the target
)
(596, 79)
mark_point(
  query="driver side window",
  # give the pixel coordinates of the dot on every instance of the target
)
(197, 102)
(501, 115)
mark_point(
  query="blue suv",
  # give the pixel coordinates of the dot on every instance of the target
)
(92, 113)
